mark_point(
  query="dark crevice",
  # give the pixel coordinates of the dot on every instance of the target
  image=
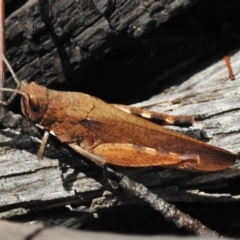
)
(34, 234)
(12, 6)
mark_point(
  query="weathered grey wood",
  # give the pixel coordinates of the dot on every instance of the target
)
(212, 99)
(51, 48)
(15, 231)
(26, 179)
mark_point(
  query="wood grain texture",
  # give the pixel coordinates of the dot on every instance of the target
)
(62, 180)
(50, 40)
(16, 231)
(34, 174)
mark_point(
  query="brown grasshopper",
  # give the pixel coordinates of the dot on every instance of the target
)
(117, 134)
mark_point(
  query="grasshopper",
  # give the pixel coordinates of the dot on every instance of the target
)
(117, 134)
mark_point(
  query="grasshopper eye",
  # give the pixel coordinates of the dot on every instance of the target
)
(33, 103)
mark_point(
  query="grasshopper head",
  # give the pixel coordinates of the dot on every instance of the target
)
(35, 102)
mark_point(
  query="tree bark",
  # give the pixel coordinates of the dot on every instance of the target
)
(81, 43)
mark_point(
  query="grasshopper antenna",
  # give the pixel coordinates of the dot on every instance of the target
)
(15, 91)
(11, 71)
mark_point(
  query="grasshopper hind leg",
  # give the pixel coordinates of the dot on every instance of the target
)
(159, 118)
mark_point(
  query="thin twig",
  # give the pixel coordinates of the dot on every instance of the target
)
(169, 211)
(2, 46)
